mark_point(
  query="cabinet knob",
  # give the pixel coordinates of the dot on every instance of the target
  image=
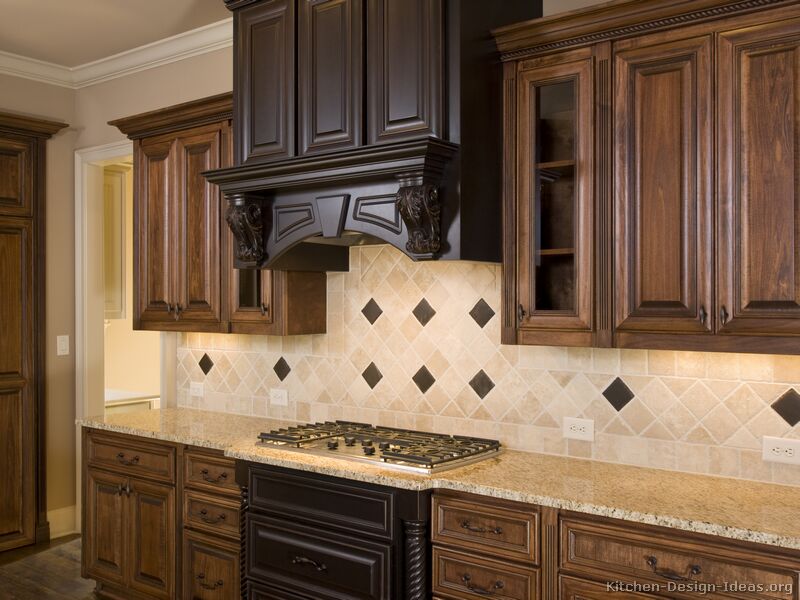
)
(169, 308)
(264, 309)
(178, 311)
(703, 315)
(520, 314)
(723, 315)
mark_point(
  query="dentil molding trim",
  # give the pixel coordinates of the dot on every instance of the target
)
(208, 38)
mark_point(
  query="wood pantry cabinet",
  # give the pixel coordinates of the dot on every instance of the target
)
(23, 501)
(670, 218)
(184, 279)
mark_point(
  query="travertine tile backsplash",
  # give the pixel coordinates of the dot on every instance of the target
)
(396, 328)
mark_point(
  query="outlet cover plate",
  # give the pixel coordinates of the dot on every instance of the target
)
(62, 345)
(578, 429)
(278, 397)
(781, 450)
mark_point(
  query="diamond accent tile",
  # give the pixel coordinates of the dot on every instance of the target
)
(618, 394)
(372, 375)
(481, 313)
(424, 379)
(424, 312)
(788, 407)
(206, 364)
(481, 384)
(372, 311)
(282, 368)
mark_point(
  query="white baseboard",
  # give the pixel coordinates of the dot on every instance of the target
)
(62, 522)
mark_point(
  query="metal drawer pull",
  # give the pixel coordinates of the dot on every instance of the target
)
(466, 525)
(467, 578)
(178, 311)
(219, 479)
(203, 515)
(693, 570)
(128, 463)
(209, 586)
(305, 561)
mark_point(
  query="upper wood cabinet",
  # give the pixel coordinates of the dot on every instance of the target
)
(184, 278)
(693, 190)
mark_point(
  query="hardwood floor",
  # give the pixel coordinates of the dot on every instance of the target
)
(45, 572)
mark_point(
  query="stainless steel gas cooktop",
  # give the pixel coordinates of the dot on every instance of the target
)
(416, 451)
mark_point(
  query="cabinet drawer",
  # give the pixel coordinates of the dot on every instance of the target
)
(265, 592)
(211, 568)
(349, 507)
(210, 473)
(211, 514)
(129, 455)
(609, 551)
(576, 589)
(315, 563)
(468, 576)
(497, 529)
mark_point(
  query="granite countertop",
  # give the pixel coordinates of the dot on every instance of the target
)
(744, 510)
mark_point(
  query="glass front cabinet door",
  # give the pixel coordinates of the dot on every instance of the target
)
(554, 203)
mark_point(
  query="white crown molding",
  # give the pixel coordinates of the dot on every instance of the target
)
(172, 49)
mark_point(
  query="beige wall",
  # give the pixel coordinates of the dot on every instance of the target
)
(87, 111)
(551, 7)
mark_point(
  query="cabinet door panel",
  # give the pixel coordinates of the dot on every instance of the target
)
(153, 262)
(664, 187)
(105, 537)
(250, 290)
(759, 193)
(198, 224)
(265, 81)
(555, 197)
(404, 69)
(16, 176)
(16, 299)
(211, 568)
(330, 80)
(151, 528)
(577, 589)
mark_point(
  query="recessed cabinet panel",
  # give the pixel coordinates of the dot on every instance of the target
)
(154, 231)
(663, 225)
(105, 533)
(405, 61)
(152, 536)
(16, 174)
(555, 151)
(16, 285)
(759, 236)
(265, 81)
(330, 66)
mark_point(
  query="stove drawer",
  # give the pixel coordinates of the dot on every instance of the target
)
(467, 576)
(318, 564)
(493, 527)
(360, 509)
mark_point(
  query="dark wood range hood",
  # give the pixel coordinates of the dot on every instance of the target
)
(363, 121)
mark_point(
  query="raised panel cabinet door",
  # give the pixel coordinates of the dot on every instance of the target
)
(555, 198)
(210, 568)
(264, 81)
(197, 219)
(16, 300)
(664, 189)
(105, 527)
(759, 191)
(17, 500)
(405, 65)
(154, 232)
(251, 298)
(16, 175)
(151, 529)
(331, 73)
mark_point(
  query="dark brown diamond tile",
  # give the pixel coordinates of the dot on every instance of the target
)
(788, 407)
(481, 384)
(372, 311)
(424, 379)
(424, 312)
(372, 375)
(481, 313)
(206, 364)
(618, 394)
(282, 368)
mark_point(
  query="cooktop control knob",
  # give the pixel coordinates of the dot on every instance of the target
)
(369, 450)
(333, 444)
(384, 445)
(366, 443)
(349, 440)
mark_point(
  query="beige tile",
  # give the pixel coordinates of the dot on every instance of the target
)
(723, 461)
(723, 366)
(660, 362)
(637, 416)
(786, 369)
(690, 364)
(633, 362)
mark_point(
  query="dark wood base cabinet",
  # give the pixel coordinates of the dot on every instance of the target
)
(312, 537)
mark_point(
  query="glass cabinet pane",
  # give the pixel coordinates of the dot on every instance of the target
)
(555, 202)
(249, 288)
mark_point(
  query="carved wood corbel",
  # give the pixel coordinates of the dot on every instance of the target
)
(421, 211)
(249, 219)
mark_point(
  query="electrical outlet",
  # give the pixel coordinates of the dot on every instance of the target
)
(781, 450)
(196, 390)
(62, 345)
(578, 429)
(278, 397)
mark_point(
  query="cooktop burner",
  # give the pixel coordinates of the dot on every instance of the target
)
(417, 451)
